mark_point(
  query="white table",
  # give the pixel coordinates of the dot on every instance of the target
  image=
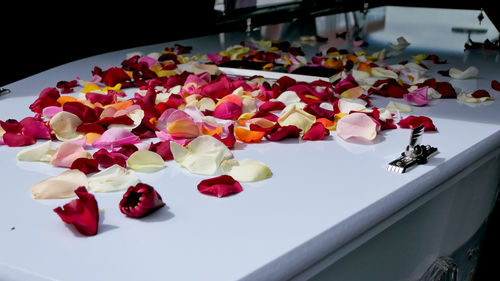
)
(330, 208)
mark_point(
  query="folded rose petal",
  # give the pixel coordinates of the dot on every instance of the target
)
(145, 161)
(107, 159)
(227, 110)
(64, 126)
(418, 97)
(357, 125)
(396, 106)
(140, 200)
(248, 136)
(135, 115)
(163, 149)
(85, 165)
(17, 140)
(477, 96)
(412, 122)
(317, 132)
(280, 133)
(220, 186)
(60, 186)
(203, 155)
(295, 115)
(352, 93)
(66, 153)
(35, 128)
(112, 179)
(115, 137)
(246, 170)
(383, 73)
(347, 105)
(180, 125)
(41, 152)
(82, 212)
(470, 72)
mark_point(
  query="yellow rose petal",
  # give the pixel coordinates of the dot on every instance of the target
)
(145, 161)
(61, 186)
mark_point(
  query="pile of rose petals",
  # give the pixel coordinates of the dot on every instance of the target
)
(166, 106)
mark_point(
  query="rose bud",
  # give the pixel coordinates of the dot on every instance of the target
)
(140, 200)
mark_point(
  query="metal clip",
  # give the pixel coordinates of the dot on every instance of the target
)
(415, 153)
(4, 91)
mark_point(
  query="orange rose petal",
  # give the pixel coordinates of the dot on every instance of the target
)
(248, 136)
(121, 105)
(231, 98)
(91, 137)
(64, 99)
(329, 124)
(211, 132)
(364, 67)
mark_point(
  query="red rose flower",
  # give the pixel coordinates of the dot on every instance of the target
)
(140, 200)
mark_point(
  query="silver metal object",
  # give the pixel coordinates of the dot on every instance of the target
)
(4, 92)
(414, 154)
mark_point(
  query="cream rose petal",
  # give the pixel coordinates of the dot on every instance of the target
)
(41, 152)
(468, 98)
(64, 125)
(114, 178)
(288, 97)
(295, 115)
(247, 170)
(136, 115)
(397, 106)
(383, 73)
(60, 186)
(357, 125)
(470, 72)
(347, 105)
(145, 161)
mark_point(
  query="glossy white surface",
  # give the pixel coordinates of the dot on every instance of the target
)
(321, 196)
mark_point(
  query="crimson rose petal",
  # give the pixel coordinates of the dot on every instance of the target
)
(413, 122)
(81, 212)
(140, 200)
(495, 85)
(289, 131)
(317, 132)
(220, 186)
(16, 140)
(85, 165)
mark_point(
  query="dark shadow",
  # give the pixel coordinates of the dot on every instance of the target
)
(160, 215)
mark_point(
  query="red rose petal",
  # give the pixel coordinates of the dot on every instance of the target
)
(317, 132)
(227, 110)
(85, 165)
(140, 200)
(106, 99)
(35, 128)
(107, 159)
(495, 85)
(480, 94)
(113, 76)
(220, 186)
(81, 212)
(47, 97)
(163, 149)
(413, 122)
(11, 126)
(280, 133)
(272, 105)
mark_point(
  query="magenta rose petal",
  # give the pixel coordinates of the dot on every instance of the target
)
(140, 200)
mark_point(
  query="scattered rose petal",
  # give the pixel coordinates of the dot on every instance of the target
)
(495, 85)
(41, 152)
(477, 96)
(394, 107)
(248, 136)
(347, 105)
(412, 122)
(85, 165)
(66, 153)
(470, 72)
(284, 132)
(107, 159)
(417, 97)
(82, 212)
(112, 179)
(64, 126)
(352, 93)
(295, 115)
(246, 170)
(140, 200)
(145, 161)
(115, 137)
(317, 132)
(220, 186)
(17, 140)
(60, 186)
(357, 125)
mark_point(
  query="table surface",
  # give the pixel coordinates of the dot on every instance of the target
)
(321, 195)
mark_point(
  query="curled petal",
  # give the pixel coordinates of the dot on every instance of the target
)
(413, 122)
(470, 72)
(296, 115)
(477, 96)
(112, 179)
(82, 212)
(17, 140)
(145, 161)
(248, 136)
(418, 96)
(396, 106)
(357, 125)
(85, 165)
(60, 186)
(281, 133)
(66, 153)
(246, 170)
(353, 93)
(347, 105)
(182, 126)
(115, 137)
(140, 200)
(227, 110)
(495, 85)
(163, 149)
(383, 73)
(35, 153)
(220, 186)
(317, 132)
(107, 159)
(64, 125)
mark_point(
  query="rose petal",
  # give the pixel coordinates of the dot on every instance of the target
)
(115, 137)
(64, 126)
(35, 153)
(413, 122)
(82, 212)
(470, 72)
(66, 153)
(35, 128)
(163, 149)
(477, 96)
(220, 186)
(281, 133)
(357, 125)
(60, 186)
(140, 200)
(112, 179)
(85, 165)
(248, 136)
(145, 161)
(495, 85)
(295, 115)
(396, 106)
(317, 132)
(17, 140)
(347, 105)
(246, 170)
(107, 159)
(227, 110)
(417, 97)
